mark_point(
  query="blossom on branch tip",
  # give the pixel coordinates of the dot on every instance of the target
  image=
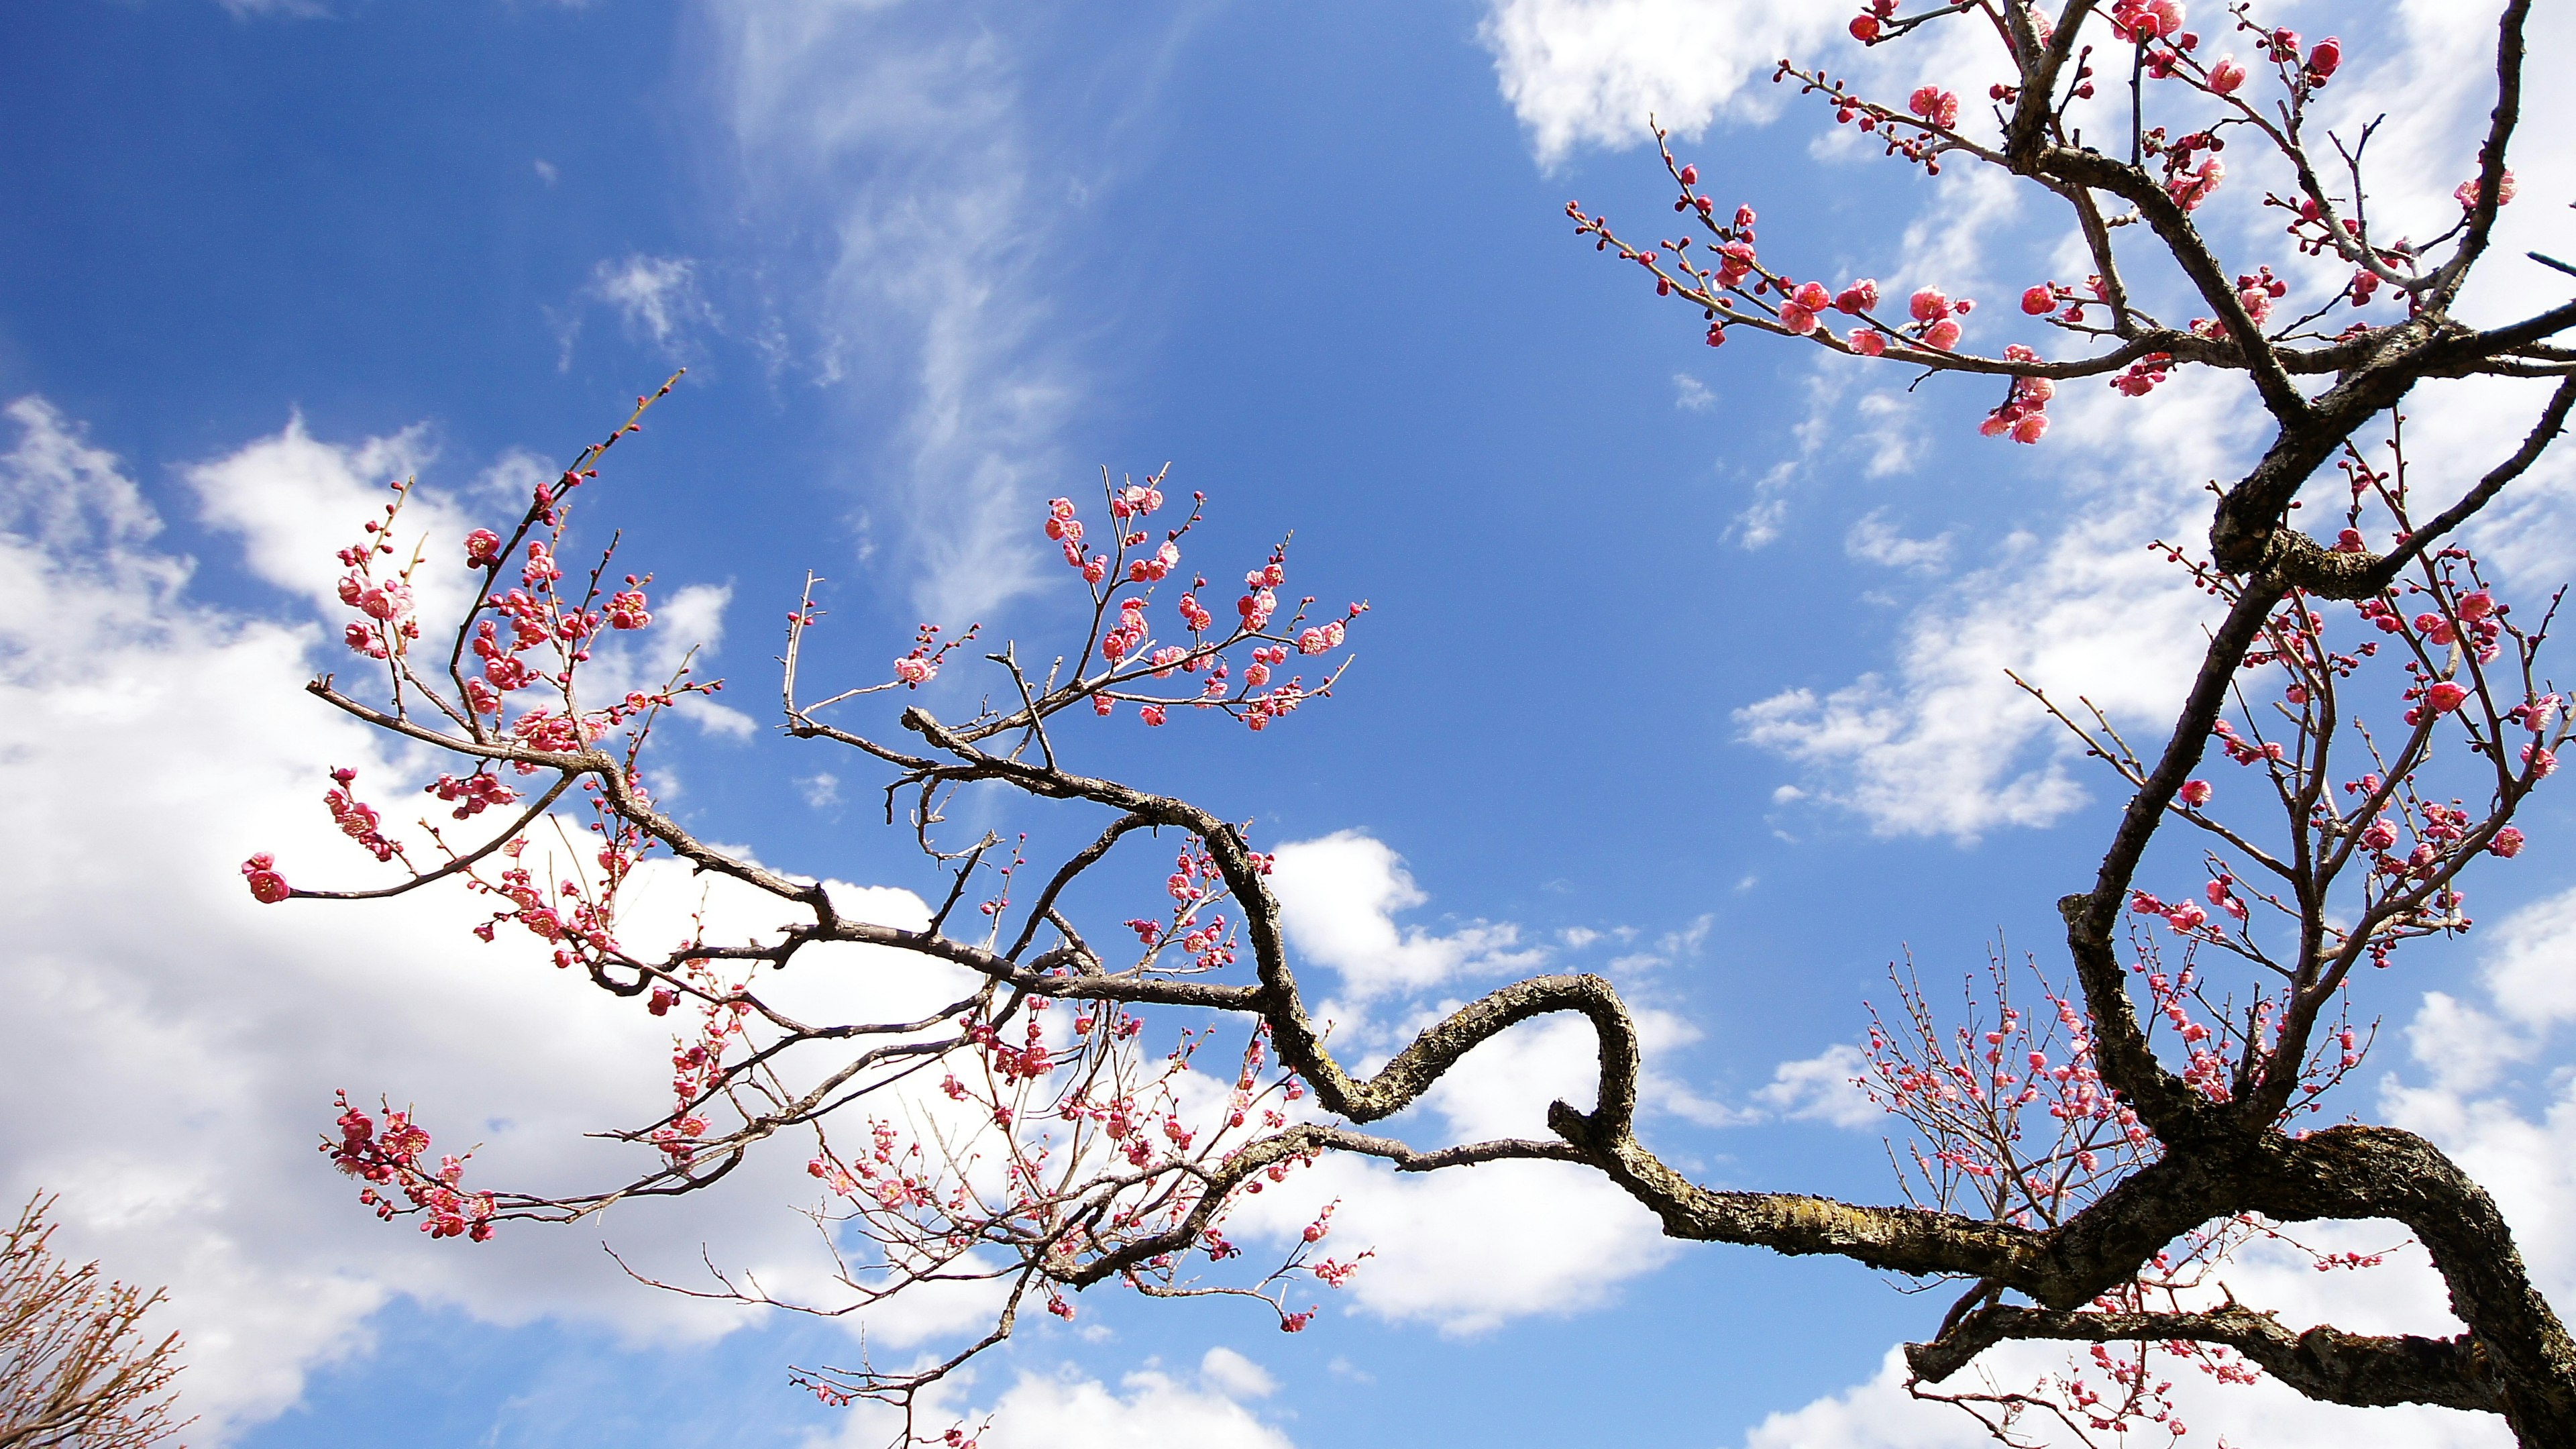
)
(266, 885)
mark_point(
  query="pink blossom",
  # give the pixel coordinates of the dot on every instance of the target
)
(2039, 301)
(1800, 320)
(1869, 342)
(915, 670)
(482, 548)
(2191, 188)
(2506, 842)
(2446, 696)
(2325, 60)
(1942, 335)
(1935, 105)
(1859, 297)
(2195, 792)
(2226, 76)
(2467, 194)
(2031, 428)
(1151, 714)
(266, 885)
(1929, 305)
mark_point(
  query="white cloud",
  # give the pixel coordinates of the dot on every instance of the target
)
(1156, 1407)
(1692, 395)
(1820, 1089)
(1235, 1376)
(655, 297)
(821, 791)
(1338, 897)
(1470, 1249)
(1588, 72)
(1945, 743)
(899, 133)
(1875, 540)
(1880, 1414)
(148, 744)
(295, 501)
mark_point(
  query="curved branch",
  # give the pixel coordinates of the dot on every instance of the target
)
(2323, 1362)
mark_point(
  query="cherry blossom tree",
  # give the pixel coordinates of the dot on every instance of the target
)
(75, 1365)
(2084, 1152)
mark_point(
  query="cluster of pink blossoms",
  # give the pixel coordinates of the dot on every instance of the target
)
(390, 1161)
(385, 624)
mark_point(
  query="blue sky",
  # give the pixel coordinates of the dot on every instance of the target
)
(1684, 666)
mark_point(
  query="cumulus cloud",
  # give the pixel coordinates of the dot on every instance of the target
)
(147, 744)
(1820, 1089)
(1154, 1406)
(1338, 898)
(1588, 72)
(295, 501)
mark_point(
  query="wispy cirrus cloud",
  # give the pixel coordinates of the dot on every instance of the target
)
(897, 143)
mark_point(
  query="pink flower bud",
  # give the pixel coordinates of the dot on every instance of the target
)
(2325, 60)
(1690, 176)
(1864, 28)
